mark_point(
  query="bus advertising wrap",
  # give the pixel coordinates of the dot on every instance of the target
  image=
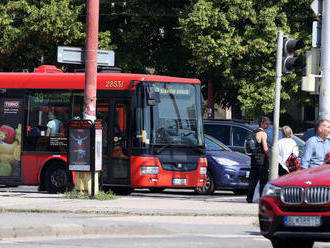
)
(10, 137)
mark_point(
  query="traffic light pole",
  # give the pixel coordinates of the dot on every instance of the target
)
(324, 98)
(273, 170)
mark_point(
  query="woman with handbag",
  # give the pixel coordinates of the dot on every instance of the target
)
(288, 152)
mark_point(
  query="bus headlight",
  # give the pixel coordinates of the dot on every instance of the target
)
(151, 170)
(202, 170)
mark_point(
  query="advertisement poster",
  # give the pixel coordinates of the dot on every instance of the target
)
(79, 149)
(11, 111)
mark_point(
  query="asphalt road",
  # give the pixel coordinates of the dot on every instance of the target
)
(138, 230)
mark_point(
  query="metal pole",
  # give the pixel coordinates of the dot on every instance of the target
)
(89, 112)
(91, 59)
(273, 171)
(210, 99)
(324, 98)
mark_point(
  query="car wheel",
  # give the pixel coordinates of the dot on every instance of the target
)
(156, 190)
(292, 243)
(57, 179)
(209, 186)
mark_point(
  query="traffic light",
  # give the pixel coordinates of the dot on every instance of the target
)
(290, 62)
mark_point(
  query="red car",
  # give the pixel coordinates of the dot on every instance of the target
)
(294, 210)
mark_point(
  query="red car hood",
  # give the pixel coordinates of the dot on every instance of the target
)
(318, 176)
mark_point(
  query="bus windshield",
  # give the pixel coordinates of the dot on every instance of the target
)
(170, 114)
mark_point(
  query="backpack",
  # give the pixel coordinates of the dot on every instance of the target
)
(250, 143)
(293, 163)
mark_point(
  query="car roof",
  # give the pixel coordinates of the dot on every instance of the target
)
(309, 133)
(242, 123)
(229, 120)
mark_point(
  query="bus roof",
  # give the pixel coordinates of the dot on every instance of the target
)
(56, 79)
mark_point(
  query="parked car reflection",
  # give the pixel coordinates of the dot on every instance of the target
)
(226, 169)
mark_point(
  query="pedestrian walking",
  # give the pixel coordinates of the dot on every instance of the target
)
(259, 159)
(288, 152)
(317, 146)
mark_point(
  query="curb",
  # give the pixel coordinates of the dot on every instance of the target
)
(127, 212)
(65, 230)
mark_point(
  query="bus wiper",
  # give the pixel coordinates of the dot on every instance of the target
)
(197, 148)
(163, 147)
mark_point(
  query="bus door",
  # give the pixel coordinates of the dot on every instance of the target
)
(11, 119)
(114, 114)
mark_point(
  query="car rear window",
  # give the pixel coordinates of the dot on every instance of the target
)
(220, 132)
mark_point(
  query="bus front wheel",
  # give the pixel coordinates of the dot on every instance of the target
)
(57, 179)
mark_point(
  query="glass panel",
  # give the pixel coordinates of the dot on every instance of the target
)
(120, 136)
(220, 132)
(47, 114)
(77, 106)
(239, 136)
(171, 115)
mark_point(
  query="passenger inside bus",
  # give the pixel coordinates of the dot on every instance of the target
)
(54, 125)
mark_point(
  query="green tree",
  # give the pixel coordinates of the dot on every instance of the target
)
(235, 42)
(32, 30)
(146, 35)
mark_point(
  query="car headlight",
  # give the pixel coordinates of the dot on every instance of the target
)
(271, 190)
(225, 161)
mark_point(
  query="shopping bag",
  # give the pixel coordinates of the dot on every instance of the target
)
(293, 163)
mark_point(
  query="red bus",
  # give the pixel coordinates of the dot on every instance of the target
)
(152, 129)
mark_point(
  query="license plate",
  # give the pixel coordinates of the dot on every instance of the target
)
(179, 181)
(308, 221)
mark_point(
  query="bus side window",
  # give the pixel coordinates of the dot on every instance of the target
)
(48, 112)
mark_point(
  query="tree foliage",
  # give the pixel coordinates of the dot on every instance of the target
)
(32, 30)
(146, 35)
(235, 42)
(231, 42)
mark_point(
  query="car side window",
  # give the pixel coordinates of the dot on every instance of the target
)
(239, 136)
(220, 132)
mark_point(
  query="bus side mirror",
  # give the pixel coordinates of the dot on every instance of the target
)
(152, 96)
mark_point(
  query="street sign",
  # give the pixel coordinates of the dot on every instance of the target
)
(76, 55)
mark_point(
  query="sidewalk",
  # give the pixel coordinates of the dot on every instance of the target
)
(19, 209)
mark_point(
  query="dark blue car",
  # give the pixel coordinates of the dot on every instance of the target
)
(226, 169)
(309, 133)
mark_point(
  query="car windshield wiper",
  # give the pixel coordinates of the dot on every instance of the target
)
(163, 147)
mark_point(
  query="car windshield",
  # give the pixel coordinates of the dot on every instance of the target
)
(213, 144)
